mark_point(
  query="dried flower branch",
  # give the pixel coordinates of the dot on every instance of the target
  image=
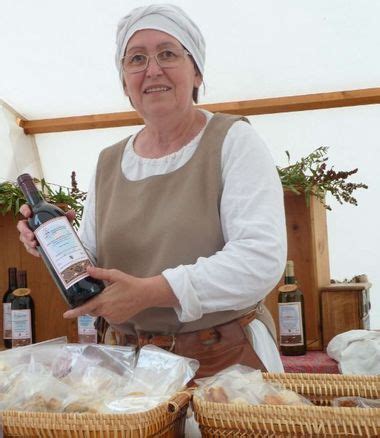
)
(311, 176)
(11, 197)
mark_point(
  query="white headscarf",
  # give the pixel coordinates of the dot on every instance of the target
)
(166, 18)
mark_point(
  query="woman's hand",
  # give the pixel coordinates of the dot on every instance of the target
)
(26, 234)
(125, 296)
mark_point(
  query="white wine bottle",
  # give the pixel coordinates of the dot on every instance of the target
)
(60, 247)
(291, 315)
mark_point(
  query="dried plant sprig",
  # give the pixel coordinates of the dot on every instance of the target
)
(11, 197)
(311, 176)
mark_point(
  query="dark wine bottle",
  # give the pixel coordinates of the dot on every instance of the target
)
(60, 247)
(7, 300)
(291, 315)
(23, 328)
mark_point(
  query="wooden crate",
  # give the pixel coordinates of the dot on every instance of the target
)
(345, 306)
(308, 247)
(49, 305)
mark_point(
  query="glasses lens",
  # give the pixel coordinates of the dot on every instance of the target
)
(167, 58)
(135, 63)
(170, 58)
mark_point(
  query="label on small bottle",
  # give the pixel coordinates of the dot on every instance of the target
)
(7, 321)
(21, 324)
(291, 330)
(64, 250)
(86, 329)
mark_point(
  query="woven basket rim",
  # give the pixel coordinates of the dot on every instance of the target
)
(341, 378)
(156, 417)
(242, 420)
(241, 408)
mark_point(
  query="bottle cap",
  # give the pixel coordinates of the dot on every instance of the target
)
(23, 177)
(21, 292)
(289, 270)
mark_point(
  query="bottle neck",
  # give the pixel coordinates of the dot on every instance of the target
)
(21, 279)
(12, 279)
(290, 279)
(29, 189)
(289, 273)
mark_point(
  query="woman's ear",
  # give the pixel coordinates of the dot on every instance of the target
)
(198, 79)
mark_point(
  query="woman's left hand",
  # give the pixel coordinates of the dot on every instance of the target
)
(125, 296)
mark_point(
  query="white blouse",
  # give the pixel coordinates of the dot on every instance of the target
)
(253, 224)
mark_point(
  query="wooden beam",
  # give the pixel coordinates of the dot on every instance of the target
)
(272, 105)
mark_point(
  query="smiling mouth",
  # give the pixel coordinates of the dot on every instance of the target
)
(156, 90)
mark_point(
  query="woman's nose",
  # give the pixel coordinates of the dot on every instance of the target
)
(153, 68)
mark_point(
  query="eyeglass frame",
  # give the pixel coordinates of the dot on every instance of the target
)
(148, 57)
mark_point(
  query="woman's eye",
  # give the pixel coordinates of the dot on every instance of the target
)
(137, 59)
(167, 55)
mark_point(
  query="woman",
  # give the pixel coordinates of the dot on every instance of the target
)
(186, 217)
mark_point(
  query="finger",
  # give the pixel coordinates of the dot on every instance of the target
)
(70, 215)
(23, 226)
(32, 251)
(110, 275)
(85, 309)
(28, 239)
(26, 235)
(25, 210)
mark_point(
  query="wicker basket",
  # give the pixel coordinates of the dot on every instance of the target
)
(227, 420)
(166, 420)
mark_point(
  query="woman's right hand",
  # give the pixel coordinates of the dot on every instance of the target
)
(26, 234)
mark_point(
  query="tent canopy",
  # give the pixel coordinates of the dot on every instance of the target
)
(58, 61)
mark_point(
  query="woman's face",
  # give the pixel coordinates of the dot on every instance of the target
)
(160, 91)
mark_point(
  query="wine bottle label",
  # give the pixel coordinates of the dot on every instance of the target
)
(291, 330)
(7, 321)
(64, 250)
(86, 325)
(21, 324)
(86, 330)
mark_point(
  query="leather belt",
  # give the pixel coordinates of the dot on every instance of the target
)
(207, 336)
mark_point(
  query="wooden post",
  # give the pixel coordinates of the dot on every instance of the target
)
(308, 248)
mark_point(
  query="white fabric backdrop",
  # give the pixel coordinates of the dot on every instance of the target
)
(18, 152)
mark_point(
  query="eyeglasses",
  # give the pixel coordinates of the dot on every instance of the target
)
(168, 58)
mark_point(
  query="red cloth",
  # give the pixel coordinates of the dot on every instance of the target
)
(311, 362)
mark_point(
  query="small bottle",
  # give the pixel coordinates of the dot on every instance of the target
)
(87, 333)
(22, 313)
(291, 315)
(7, 300)
(60, 247)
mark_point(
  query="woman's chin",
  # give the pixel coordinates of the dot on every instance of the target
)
(160, 108)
